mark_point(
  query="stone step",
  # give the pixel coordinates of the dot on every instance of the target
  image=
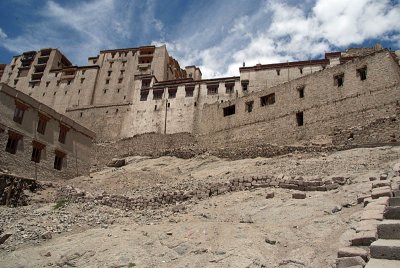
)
(382, 263)
(394, 201)
(389, 229)
(392, 213)
(385, 249)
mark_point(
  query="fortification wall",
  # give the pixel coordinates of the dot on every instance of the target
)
(107, 121)
(324, 106)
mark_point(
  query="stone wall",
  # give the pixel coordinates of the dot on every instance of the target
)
(206, 190)
(324, 107)
(76, 148)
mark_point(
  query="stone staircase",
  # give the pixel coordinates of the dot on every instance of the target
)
(385, 251)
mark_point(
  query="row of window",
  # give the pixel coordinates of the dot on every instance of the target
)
(37, 148)
(264, 101)
(43, 119)
(338, 80)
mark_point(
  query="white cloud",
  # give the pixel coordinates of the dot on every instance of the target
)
(2, 34)
(278, 32)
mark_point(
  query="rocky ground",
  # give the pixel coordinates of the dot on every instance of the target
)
(237, 229)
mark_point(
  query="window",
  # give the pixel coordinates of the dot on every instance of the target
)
(104, 91)
(82, 79)
(120, 80)
(111, 63)
(278, 72)
(42, 123)
(157, 94)
(63, 133)
(245, 84)
(107, 81)
(212, 89)
(122, 72)
(36, 151)
(230, 110)
(189, 91)
(146, 83)
(301, 70)
(118, 90)
(19, 112)
(109, 73)
(229, 88)
(94, 61)
(362, 73)
(143, 95)
(172, 93)
(58, 159)
(299, 119)
(338, 80)
(301, 92)
(83, 72)
(58, 82)
(47, 83)
(12, 142)
(15, 82)
(268, 100)
(249, 106)
(190, 75)
(69, 82)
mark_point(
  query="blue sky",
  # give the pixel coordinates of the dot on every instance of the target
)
(216, 35)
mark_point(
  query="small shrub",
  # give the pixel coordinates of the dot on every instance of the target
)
(131, 264)
(60, 203)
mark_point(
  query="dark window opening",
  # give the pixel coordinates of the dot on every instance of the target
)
(301, 70)
(278, 72)
(82, 79)
(58, 160)
(245, 84)
(195, 104)
(155, 107)
(41, 127)
(19, 112)
(143, 95)
(63, 133)
(229, 87)
(146, 83)
(157, 94)
(36, 151)
(120, 80)
(47, 84)
(107, 81)
(339, 80)
(189, 91)
(267, 100)
(212, 90)
(249, 106)
(168, 105)
(301, 92)
(230, 110)
(362, 73)
(172, 93)
(109, 73)
(12, 142)
(81, 114)
(116, 110)
(69, 82)
(299, 119)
